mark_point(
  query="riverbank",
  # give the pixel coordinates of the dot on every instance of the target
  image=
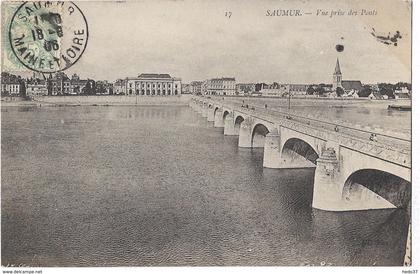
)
(316, 101)
(103, 100)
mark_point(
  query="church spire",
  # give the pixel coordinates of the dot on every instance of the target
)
(337, 68)
(337, 76)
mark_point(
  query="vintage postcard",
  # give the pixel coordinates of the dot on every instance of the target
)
(206, 133)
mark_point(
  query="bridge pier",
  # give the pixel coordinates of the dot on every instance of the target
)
(204, 111)
(245, 133)
(327, 190)
(193, 105)
(229, 125)
(198, 107)
(272, 150)
(218, 118)
(210, 114)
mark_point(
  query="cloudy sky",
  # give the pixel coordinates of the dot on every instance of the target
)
(195, 40)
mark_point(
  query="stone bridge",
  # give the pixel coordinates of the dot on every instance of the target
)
(354, 169)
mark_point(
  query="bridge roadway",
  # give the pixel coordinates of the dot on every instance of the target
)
(355, 168)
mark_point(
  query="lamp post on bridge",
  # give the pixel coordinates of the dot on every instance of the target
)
(289, 105)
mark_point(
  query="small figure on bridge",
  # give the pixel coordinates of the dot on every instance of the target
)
(336, 129)
(265, 106)
(373, 137)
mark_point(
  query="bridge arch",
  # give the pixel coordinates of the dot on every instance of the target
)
(214, 112)
(238, 120)
(225, 113)
(373, 188)
(299, 150)
(258, 135)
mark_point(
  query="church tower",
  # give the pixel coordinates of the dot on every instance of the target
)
(337, 76)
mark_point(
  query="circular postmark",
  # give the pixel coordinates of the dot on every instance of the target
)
(48, 36)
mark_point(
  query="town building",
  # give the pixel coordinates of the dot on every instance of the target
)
(275, 90)
(12, 85)
(260, 86)
(196, 87)
(60, 84)
(185, 89)
(402, 93)
(352, 93)
(375, 95)
(204, 85)
(245, 89)
(103, 87)
(297, 89)
(221, 86)
(36, 87)
(153, 84)
(120, 86)
(280, 90)
(90, 87)
(349, 86)
(77, 85)
(13, 88)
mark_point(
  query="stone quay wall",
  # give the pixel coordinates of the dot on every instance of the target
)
(113, 100)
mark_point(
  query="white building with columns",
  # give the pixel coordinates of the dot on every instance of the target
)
(153, 84)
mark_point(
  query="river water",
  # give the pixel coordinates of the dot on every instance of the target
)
(142, 186)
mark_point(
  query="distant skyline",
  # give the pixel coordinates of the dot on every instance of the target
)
(194, 40)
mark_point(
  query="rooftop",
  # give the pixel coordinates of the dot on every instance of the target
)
(223, 79)
(351, 84)
(36, 82)
(155, 75)
(13, 81)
